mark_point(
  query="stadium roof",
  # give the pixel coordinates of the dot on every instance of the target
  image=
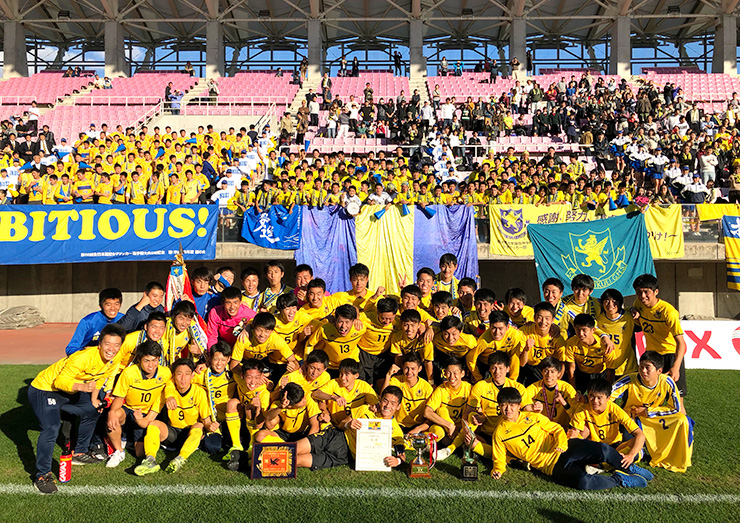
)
(283, 23)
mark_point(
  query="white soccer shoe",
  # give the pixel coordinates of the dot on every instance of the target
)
(115, 459)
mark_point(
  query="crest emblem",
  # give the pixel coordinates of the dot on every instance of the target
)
(592, 253)
(512, 221)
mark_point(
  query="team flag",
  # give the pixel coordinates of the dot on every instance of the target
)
(731, 232)
(274, 228)
(613, 251)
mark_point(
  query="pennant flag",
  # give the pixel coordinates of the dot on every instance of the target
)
(61, 154)
(178, 285)
(731, 232)
(160, 153)
(83, 165)
(120, 148)
(26, 166)
(665, 231)
(448, 229)
(191, 140)
(386, 246)
(613, 251)
(230, 154)
(274, 228)
(328, 245)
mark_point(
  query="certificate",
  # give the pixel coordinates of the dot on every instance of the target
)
(374, 444)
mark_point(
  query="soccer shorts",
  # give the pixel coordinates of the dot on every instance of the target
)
(290, 437)
(668, 361)
(134, 433)
(328, 449)
(176, 437)
(583, 379)
(374, 366)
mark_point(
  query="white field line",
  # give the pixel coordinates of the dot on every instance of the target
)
(380, 492)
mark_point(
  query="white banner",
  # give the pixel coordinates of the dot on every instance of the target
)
(709, 344)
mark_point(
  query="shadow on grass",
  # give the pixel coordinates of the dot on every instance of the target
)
(16, 424)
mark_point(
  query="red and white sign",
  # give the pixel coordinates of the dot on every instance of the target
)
(709, 344)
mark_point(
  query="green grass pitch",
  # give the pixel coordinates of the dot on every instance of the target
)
(709, 491)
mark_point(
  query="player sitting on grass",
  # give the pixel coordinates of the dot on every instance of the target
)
(187, 413)
(345, 392)
(444, 409)
(410, 339)
(416, 392)
(260, 341)
(553, 397)
(653, 399)
(542, 443)
(482, 410)
(251, 401)
(219, 385)
(603, 420)
(334, 447)
(585, 358)
(500, 337)
(74, 381)
(292, 416)
(137, 399)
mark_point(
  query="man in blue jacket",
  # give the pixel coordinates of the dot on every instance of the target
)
(88, 330)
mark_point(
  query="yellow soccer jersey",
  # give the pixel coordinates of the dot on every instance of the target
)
(415, 399)
(308, 387)
(475, 325)
(402, 345)
(603, 427)
(327, 338)
(80, 367)
(484, 400)
(328, 304)
(621, 331)
(661, 400)
(291, 330)
(360, 394)
(219, 387)
(660, 324)
(363, 303)
(448, 402)
(296, 419)
(191, 407)
(127, 352)
(465, 344)
(377, 338)
(544, 346)
(590, 359)
(105, 192)
(246, 396)
(554, 411)
(364, 412)
(512, 343)
(568, 309)
(139, 392)
(275, 348)
(525, 315)
(532, 438)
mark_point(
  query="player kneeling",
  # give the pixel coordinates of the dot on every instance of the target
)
(542, 443)
(187, 412)
(137, 399)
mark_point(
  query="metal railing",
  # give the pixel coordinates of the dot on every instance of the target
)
(148, 117)
(238, 105)
(115, 99)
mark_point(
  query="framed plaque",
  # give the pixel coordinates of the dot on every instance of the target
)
(374, 443)
(273, 461)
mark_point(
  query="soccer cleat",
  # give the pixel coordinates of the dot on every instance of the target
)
(45, 484)
(147, 466)
(115, 459)
(519, 464)
(644, 473)
(630, 480)
(590, 469)
(175, 465)
(443, 453)
(227, 456)
(234, 457)
(100, 451)
(85, 459)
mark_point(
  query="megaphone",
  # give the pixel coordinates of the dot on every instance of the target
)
(379, 214)
(612, 205)
(429, 211)
(404, 209)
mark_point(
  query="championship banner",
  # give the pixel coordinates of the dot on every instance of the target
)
(613, 252)
(274, 461)
(731, 232)
(709, 344)
(31, 234)
(386, 245)
(508, 226)
(274, 228)
(665, 231)
(715, 211)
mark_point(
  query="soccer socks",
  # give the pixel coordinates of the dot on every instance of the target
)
(151, 441)
(458, 441)
(483, 449)
(234, 425)
(191, 444)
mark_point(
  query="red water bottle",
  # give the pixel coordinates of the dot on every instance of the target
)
(65, 463)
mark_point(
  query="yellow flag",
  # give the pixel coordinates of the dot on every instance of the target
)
(715, 211)
(669, 441)
(665, 231)
(386, 245)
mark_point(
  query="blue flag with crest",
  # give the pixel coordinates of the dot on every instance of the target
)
(613, 251)
(274, 228)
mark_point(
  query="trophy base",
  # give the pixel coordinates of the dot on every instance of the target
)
(469, 471)
(419, 470)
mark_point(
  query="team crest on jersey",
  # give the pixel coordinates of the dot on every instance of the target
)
(513, 223)
(593, 253)
(657, 315)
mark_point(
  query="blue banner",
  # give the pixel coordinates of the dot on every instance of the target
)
(613, 251)
(328, 246)
(449, 229)
(31, 234)
(274, 228)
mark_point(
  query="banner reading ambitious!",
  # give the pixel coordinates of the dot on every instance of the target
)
(89, 233)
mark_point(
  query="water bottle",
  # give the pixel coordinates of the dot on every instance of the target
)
(65, 463)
